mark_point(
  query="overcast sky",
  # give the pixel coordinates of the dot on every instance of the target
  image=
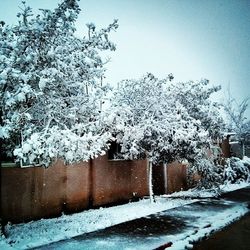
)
(192, 39)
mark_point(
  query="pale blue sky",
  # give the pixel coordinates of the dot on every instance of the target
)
(192, 39)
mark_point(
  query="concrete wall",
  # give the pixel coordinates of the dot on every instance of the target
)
(36, 192)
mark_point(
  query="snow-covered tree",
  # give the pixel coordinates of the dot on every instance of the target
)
(237, 120)
(151, 122)
(50, 85)
(195, 96)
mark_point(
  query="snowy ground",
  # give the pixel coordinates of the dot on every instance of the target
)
(206, 221)
(180, 226)
(194, 193)
(37, 233)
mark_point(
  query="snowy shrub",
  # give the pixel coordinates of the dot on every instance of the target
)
(209, 174)
(237, 170)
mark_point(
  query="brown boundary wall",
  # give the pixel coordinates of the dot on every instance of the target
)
(117, 180)
(171, 179)
(36, 192)
(225, 146)
(177, 177)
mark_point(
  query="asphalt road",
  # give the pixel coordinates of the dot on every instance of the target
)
(235, 236)
(158, 229)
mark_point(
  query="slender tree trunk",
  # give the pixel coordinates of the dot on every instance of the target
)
(2, 222)
(165, 173)
(101, 99)
(21, 160)
(87, 89)
(243, 149)
(150, 182)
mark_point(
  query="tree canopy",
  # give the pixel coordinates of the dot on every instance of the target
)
(162, 118)
(50, 82)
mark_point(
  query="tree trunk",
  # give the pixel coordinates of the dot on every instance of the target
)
(165, 177)
(2, 222)
(21, 160)
(101, 99)
(150, 182)
(243, 149)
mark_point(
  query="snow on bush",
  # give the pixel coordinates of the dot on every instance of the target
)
(210, 175)
(237, 170)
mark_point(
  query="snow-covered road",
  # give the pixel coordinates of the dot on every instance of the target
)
(46, 231)
(178, 227)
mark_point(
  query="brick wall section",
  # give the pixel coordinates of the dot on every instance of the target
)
(35, 192)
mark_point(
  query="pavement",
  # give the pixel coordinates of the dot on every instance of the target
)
(235, 236)
(174, 228)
